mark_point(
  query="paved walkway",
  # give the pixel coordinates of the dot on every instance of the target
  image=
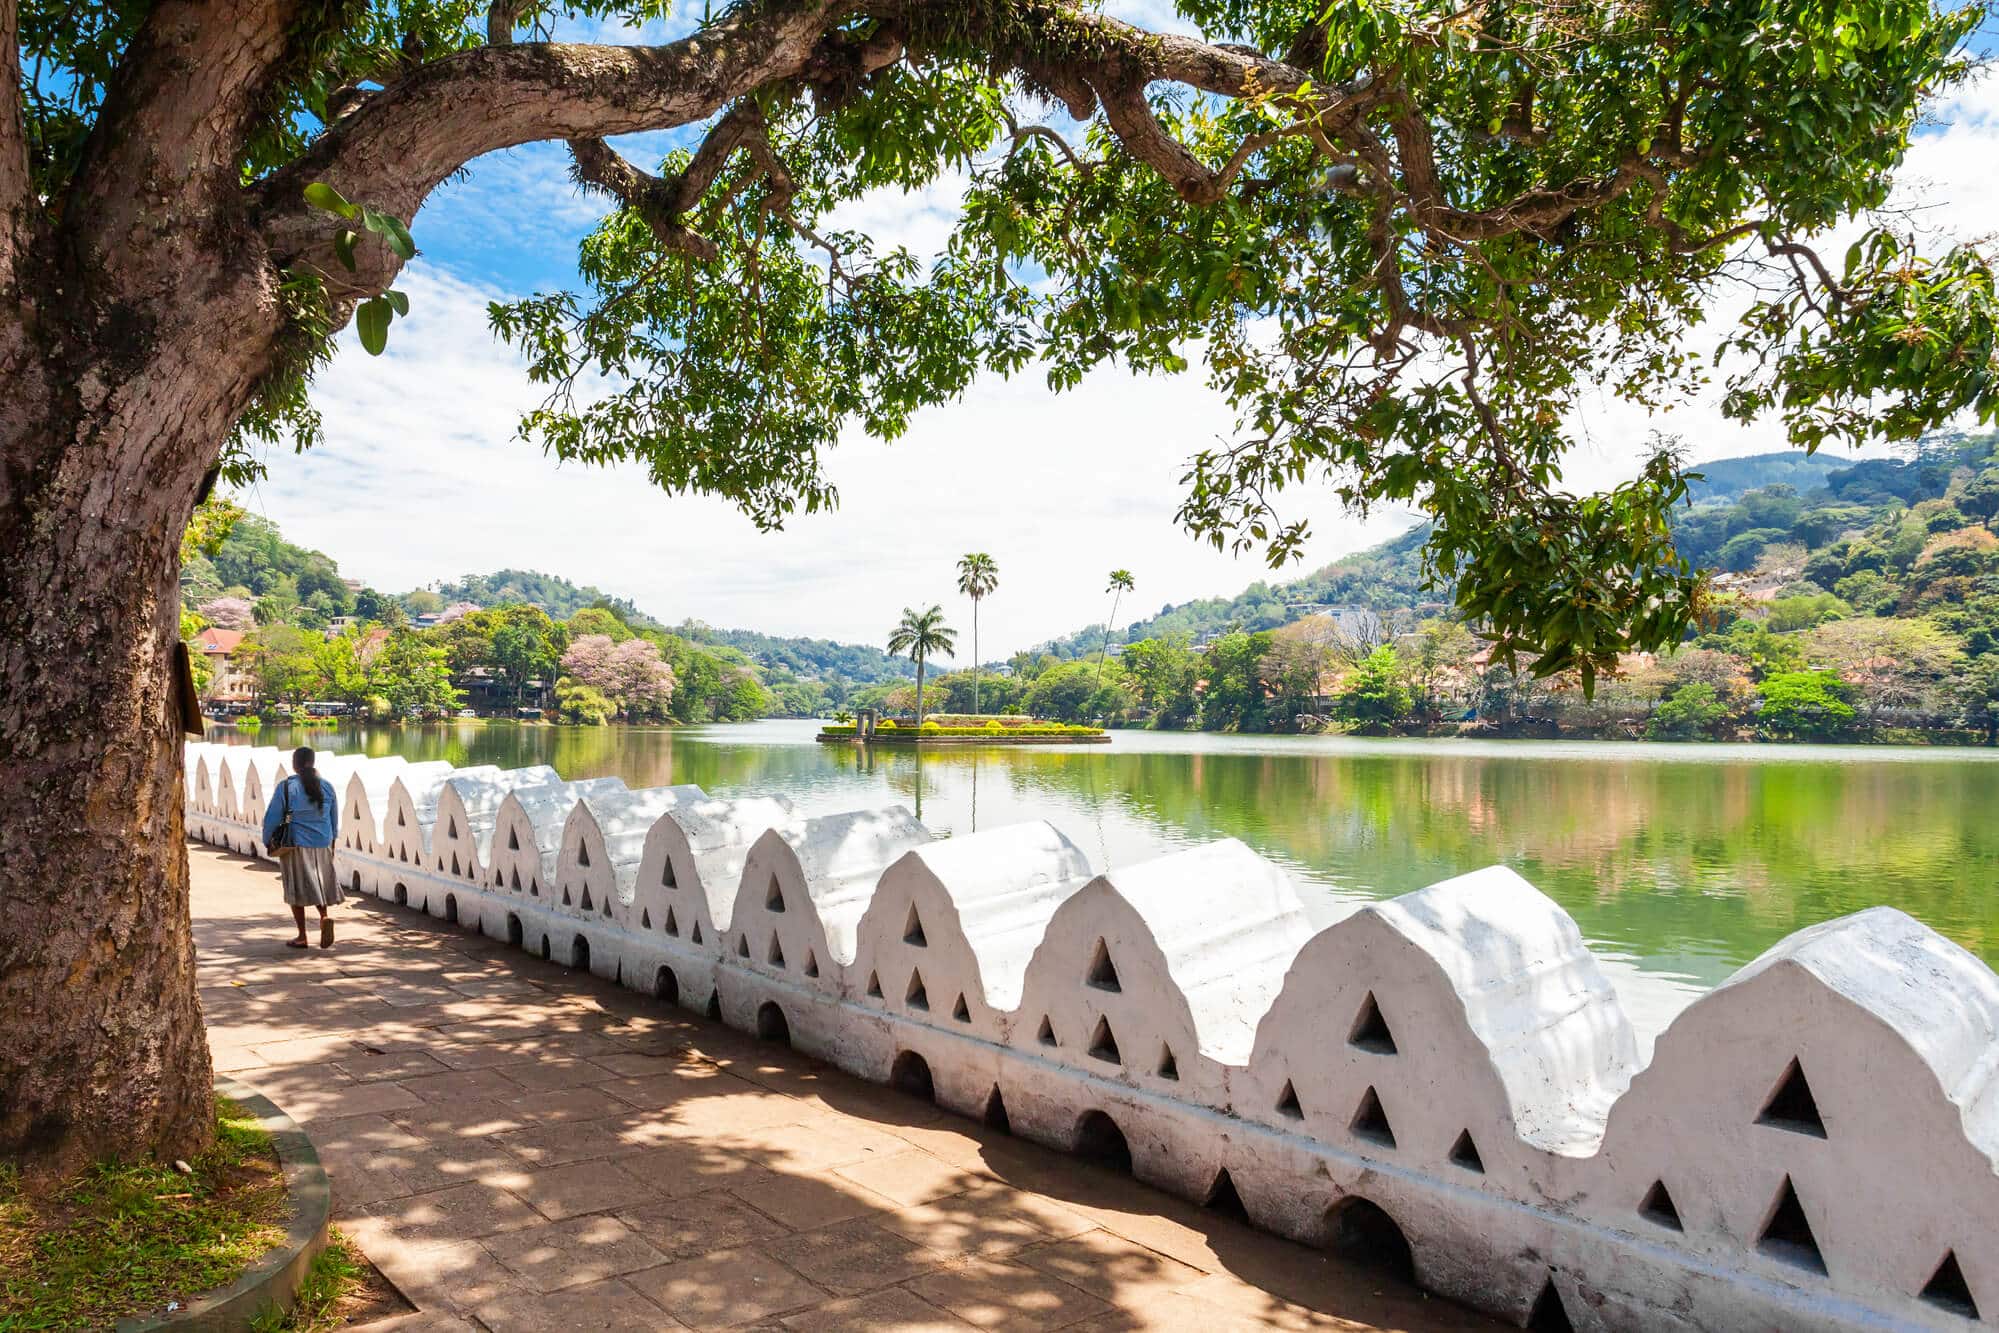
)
(521, 1147)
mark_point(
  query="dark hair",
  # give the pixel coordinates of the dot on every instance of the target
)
(302, 765)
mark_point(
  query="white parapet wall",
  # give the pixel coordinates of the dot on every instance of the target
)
(1443, 1082)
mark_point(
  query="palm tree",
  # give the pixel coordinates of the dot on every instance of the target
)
(1120, 585)
(977, 577)
(919, 635)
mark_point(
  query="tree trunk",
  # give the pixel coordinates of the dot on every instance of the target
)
(975, 657)
(919, 695)
(113, 403)
(107, 1058)
(1107, 641)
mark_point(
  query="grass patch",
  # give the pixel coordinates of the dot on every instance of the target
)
(126, 1240)
(338, 1272)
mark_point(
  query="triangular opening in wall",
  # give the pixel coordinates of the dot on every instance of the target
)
(1659, 1209)
(912, 930)
(916, 997)
(1787, 1235)
(1947, 1289)
(1103, 1043)
(1792, 1105)
(451, 828)
(776, 954)
(666, 874)
(1169, 1068)
(586, 904)
(1222, 1197)
(811, 963)
(400, 821)
(565, 896)
(1370, 1029)
(534, 887)
(516, 883)
(961, 1011)
(695, 938)
(645, 918)
(1046, 1034)
(454, 864)
(874, 985)
(1464, 1153)
(583, 855)
(995, 1113)
(1103, 972)
(715, 1007)
(513, 840)
(742, 946)
(773, 897)
(1549, 1315)
(672, 926)
(1370, 1122)
(1287, 1103)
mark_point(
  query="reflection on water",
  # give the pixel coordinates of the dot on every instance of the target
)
(1680, 862)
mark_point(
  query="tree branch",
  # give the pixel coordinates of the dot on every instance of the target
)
(397, 148)
(165, 143)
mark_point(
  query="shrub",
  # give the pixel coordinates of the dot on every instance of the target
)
(1694, 712)
(1804, 705)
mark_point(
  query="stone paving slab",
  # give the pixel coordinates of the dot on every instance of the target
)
(518, 1146)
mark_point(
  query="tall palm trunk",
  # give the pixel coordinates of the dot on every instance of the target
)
(919, 691)
(975, 656)
(1107, 639)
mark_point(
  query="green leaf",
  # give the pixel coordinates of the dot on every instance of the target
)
(372, 320)
(343, 247)
(323, 196)
(391, 230)
(397, 299)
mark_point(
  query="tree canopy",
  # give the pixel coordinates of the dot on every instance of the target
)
(1405, 234)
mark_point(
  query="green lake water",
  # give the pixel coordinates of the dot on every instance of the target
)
(1680, 862)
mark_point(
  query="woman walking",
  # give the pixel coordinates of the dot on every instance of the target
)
(300, 825)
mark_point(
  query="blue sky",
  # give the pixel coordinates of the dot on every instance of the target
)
(421, 477)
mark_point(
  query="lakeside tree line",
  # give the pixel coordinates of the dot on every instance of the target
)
(1846, 602)
(311, 637)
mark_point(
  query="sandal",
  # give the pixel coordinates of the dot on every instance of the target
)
(326, 933)
(298, 943)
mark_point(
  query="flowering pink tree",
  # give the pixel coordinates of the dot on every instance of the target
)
(643, 679)
(227, 613)
(632, 673)
(589, 661)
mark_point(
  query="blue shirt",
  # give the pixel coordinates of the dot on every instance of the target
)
(311, 827)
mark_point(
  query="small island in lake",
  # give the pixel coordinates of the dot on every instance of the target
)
(868, 728)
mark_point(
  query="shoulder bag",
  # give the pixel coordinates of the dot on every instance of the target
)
(281, 838)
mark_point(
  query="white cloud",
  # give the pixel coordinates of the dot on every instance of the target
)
(422, 479)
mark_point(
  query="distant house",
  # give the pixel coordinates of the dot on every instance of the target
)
(229, 680)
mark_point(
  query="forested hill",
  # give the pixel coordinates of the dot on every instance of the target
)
(1384, 577)
(1388, 577)
(822, 658)
(296, 585)
(552, 593)
(816, 657)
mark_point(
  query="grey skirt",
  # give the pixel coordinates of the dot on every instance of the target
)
(307, 873)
